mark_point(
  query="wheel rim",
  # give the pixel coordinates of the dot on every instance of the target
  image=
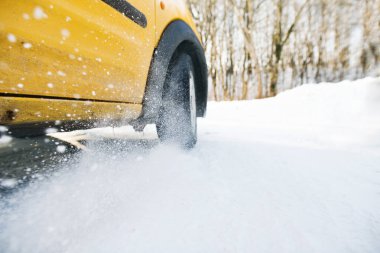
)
(193, 106)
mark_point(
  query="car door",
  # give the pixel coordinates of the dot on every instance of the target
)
(87, 49)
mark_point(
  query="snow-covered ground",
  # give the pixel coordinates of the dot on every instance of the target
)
(296, 173)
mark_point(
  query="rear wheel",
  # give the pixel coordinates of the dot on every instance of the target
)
(177, 120)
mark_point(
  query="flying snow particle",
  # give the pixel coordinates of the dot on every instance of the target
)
(61, 149)
(25, 16)
(39, 13)
(65, 33)
(11, 38)
(8, 183)
(51, 130)
(68, 19)
(27, 45)
(3, 129)
(50, 85)
(61, 73)
(20, 85)
(4, 139)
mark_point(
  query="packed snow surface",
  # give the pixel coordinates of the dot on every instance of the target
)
(299, 172)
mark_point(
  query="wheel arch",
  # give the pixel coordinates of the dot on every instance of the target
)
(177, 36)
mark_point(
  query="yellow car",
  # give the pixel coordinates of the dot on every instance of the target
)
(74, 64)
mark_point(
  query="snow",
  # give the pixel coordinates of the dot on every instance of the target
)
(61, 148)
(8, 183)
(51, 130)
(61, 73)
(27, 45)
(11, 38)
(295, 173)
(65, 33)
(38, 13)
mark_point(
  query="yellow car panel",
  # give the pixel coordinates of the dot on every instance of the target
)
(35, 110)
(168, 11)
(74, 49)
(80, 60)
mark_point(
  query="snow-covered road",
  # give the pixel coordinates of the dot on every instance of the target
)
(296, 173)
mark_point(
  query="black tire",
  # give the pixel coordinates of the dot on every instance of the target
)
(177, 121)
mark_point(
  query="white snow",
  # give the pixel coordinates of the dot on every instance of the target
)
(5, 140)
(8, 183)
(11, 38)
(27, 45)
(61, 149)
(61, 73)
(65, 33)
(51, 130)
(296, 173)
(38, 13)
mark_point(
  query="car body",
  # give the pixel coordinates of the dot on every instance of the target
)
(77, 64)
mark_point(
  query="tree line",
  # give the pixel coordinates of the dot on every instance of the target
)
(257, 48)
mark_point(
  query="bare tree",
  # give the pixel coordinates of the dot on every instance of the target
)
(256, 48)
